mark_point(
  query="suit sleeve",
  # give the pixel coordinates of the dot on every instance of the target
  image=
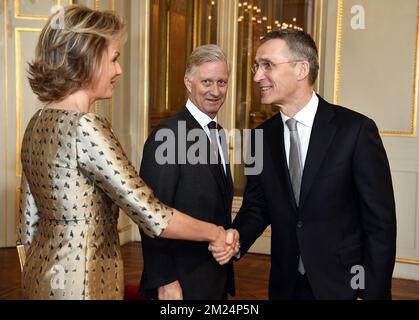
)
(373, 180)
(252, 218)
(158, 253)
(28, 214)
(102, 159)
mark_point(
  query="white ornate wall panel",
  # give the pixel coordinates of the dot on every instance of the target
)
(34, 9)
(26, 101)
(21, 22)
(383, 55)
(135, 91)
(3, 127)
(406, 187)
(374, 70)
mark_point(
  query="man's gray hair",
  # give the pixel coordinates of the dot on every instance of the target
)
(301, 46)
(204, 54)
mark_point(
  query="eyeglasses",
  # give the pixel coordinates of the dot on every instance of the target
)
(267, 66)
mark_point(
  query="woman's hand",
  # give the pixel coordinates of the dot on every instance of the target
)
(171, 291)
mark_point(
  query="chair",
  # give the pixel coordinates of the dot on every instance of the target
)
(21, 254)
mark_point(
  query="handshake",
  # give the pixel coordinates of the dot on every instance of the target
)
(225, 246)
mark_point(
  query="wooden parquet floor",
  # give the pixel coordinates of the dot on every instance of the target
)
(251, 275)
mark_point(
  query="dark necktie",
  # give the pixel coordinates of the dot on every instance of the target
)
(215, 154)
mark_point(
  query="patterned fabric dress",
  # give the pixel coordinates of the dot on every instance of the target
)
(75, 176)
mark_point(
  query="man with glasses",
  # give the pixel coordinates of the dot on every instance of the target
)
(325, 188)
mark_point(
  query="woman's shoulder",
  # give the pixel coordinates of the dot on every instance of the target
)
(56, 115)
(90, 124)
(92, 118)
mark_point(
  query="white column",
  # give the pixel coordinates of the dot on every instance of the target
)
(227, 40)
(136, 92)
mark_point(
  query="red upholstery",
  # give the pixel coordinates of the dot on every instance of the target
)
(131, 293)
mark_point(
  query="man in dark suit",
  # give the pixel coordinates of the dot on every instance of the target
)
(184, 269)
(325, 188)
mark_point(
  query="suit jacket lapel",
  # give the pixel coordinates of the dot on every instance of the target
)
(230, 193)
(228, 179)
(275, 142)
(322, 134)
(230, 184)
(224, 148)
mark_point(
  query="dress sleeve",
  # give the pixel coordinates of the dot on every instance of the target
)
(28, 214)
(101, 158)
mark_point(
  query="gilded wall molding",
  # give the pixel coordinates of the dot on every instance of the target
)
(338, 53)
(413, 124)
(338, 49)
(5, 113)
(408, 261)
(168, 27)
(196, 37)
(318, 35)
(20, 15)
(17, 207)
(18, 62)
(146, 69)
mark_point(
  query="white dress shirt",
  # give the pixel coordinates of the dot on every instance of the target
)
(305, 119)
(203, 120)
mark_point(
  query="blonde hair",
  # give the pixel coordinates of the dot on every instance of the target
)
(204, 54)
(68, 58)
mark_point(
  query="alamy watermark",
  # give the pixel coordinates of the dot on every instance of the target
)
(358, 280)
(192, 147)
(57, 22)
(358, 17)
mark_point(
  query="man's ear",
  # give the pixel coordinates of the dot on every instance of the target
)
(303, 70)
(188, 84)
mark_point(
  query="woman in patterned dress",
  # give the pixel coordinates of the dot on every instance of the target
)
(76, 175)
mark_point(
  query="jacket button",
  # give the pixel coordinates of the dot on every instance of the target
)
(299, 224)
